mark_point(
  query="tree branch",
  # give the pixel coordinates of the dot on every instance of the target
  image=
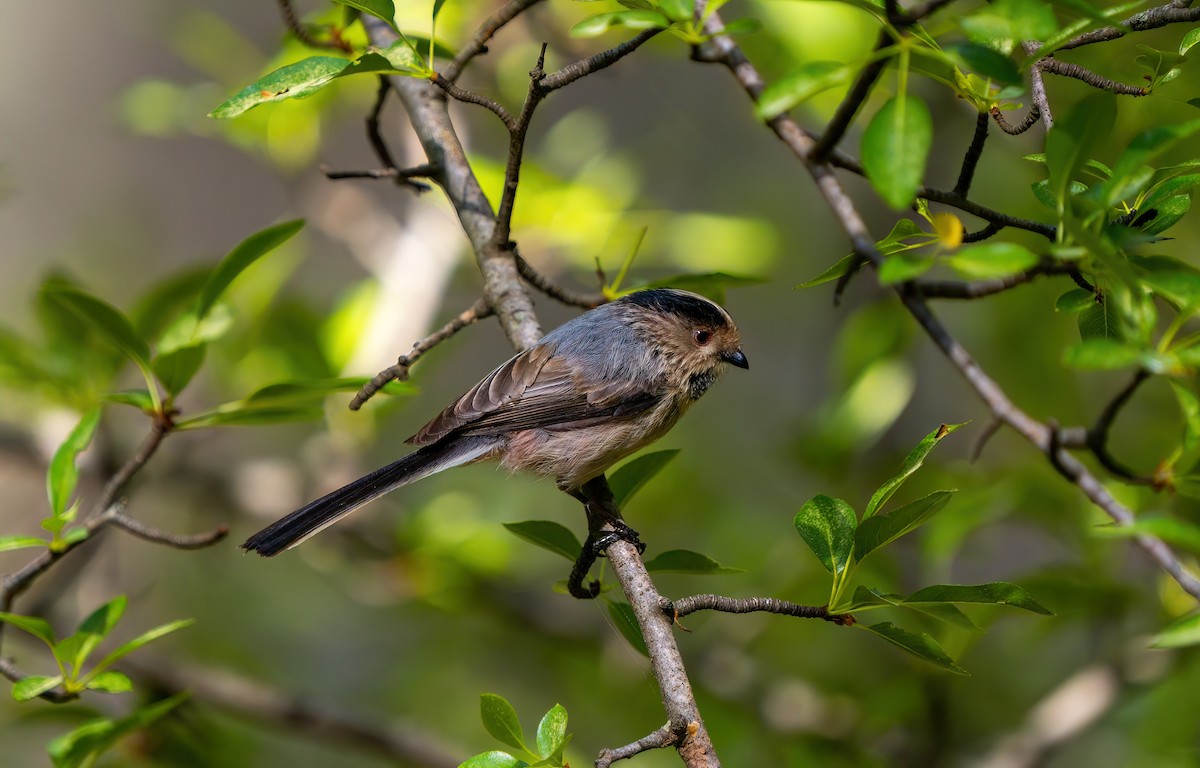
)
(1171, 13)
(971, 158)
(694, 603)
(478, 44)
(1025, 124)
(1067, 69)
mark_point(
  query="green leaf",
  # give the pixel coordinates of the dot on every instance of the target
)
(677, 10)
(21, 542)
(685, 561)
(1102, 354)
(102, 317)
(812, 78)
(175, 369)
(380, 9)
(310, 391)
(500, 720)
(75, 649)
(33, 686)
(143, 639)
(995, 593)
(1074, 139)
(834, 272)
(110, 682)
(238, 415)
(1189, 40)
(138, 398)
(294, 81)
(437, 7)
(242, 256)
(63, 474)
(1176, 532)
(987, 61)
(548, 535)
(494, 759)
(709, 284)
(622, 615)
(1100, 321)
(827, 527)
(39, 628)
(73, 750)
(900, 267)
(742, 26)
(895, 146)
(1189, 406)
(880, 530)
(947, 612)
(552, 731)
(1011, 21)
(920, 645)
(1144, 147)
(636, 19)
(1167, 214)
(912, 463)
(1075, 300)
(1182, 633)
(996, 259)
(629, 478)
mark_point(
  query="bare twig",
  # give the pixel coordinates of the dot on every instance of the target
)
(1037, 433)
(405, 743)
(602, 60)
(471, 97)
(978, 289)
(1153, 18)
(971, 158)
(468, 316)
(663, 737)
(694, 603)
(478, 43)
(405, 175)
(1025, 124)
(1097, 436)
(178, 541)
(556, 292)
(992, 228)
(301, 34)
(1068, 69)
(1037, 86)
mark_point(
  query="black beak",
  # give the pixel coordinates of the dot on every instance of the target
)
(736, 357)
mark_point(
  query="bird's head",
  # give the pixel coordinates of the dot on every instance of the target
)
(696, 335)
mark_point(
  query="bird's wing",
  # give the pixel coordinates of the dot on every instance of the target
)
(537, 389)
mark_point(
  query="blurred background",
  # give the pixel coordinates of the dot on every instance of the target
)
(114, 178)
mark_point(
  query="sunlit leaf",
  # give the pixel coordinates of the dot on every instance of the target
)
(33, 686)
(552, 731)
(500, 720)
(900, 267)
(827, 526)
(39, 628)
(895, 146)
(1172, 530)
(833, 273)
(912, 463)
(242, 256)
(988, 62)
(1180, 634)
(72, 750)
(794, 89)
(8, 543)
(493, 759)
(238, 414)
(996, 259)
(63, 474)
(74, 650)
(635, 19)
(381, 9)
(1075, 300)
(110, 682)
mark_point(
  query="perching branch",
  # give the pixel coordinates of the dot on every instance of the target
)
(686, 605)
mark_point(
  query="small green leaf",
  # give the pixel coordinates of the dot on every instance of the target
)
(1074, 139)
(920, 645)
(901, 267)
(294, 81)
(33, 686)
(494, 759)
(548, 535)
(175, 369)
(947, 612)
(1189, 40)
(21, 542)
(995, 593)
(996, 259)
(629, 478)
(138, 398)
(1180, 634)
(380, 9)
(1167, 214)
(1144, 147)
(437, 8)
(242, 256)
(677, 10)
(622, 615)
(685, 561)
(63, 474)
(812, 78)
(833, 273)
(75, 649)
(500, 720)
(1189, 406)
(895, 146)
(1100, 321)
(72, 750)
(1102, 354)
(552, 731)
(238, 415)
(636, 19)
(1173, 531)
(1075, 300)
(102, 317)
(39, 628)
(110, 682)
(912, 463)
(743, 26)
(988, 62)
(143, 639)
(880, 530)
(827, 527)
(312, 390)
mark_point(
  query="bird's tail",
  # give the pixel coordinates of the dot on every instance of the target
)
(289, 531)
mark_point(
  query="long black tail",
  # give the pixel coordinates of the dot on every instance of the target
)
(289, 531)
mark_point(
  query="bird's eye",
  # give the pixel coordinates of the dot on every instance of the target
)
(701, 336)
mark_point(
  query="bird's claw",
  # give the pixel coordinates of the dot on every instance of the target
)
(600, 543)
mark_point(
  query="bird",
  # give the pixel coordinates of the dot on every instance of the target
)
(591, 392)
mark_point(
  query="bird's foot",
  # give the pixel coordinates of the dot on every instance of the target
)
(600, 542)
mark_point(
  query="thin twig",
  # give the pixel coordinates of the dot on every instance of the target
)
(991, 229)
(1153, 18)
(1025, 124)
(405, 175)
(971, 158)
(694, 603)
(471, 97)
(468, 316)
(297, 29)
(978, 289)
(478, 43)
(516, 151)
(1068, 69)
(848, 108)
(156, 536)
(1097, 436)
(584, 67)
(1037, 86)
(663, 737)
(554, 291)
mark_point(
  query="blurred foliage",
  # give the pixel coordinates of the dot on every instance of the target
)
(413, 615)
